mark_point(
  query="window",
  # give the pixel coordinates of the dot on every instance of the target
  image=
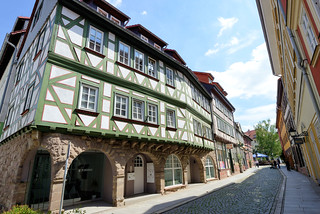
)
(197, 127)
(316, 4)
(95, 39)
(124, 53)
(144, 38)
(40, 40)
(28, 98)
(18, 77)
(102, 12)
(171, 119)
(152, 67)
(209, 168)
(157, 46)
(170, 80)
(9, 118)
(115, 20)
(172, 171)
(208, 133)
(37, 15)
(121, 106)
(152, 113)
(88, 97)
(138, 60)
(137, 110)
(311, 38)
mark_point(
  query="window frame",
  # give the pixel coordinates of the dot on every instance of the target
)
(171, 124)
(27, 103)
(137, 65)
(89, 39)
(208, 165)
(171, 166)
(21, 67)
(155, 68)
(168, 76)
(308, 31)
(37, 15)
(115, 20)
(90, 87)
(9, 116)
(156, 113)
(115, 106)
(144, 38)
(102, 12)
(119, 53)
(134, 100)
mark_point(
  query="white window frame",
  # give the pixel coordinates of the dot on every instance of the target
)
(308, 31)
(95, 39)
(115, 20)
(40, 40)
(124, 58)
(208, 165)
(138, 61)
(29, 96)
(151, 118)
(136, 110)
(169, 76)
(144, 38)
(96, 89)
(102, 12)
(154, 68)
(37, 15)
(20, 69)
(121, 109)
(172, 164)
(171, 118)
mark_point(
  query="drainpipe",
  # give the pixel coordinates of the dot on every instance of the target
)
(301, 66)
(10, 71)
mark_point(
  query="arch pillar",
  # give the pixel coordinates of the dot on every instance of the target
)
(55, 195)
(159, 179)
(118, 186)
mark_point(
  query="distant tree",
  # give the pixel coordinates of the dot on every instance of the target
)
(268, 139)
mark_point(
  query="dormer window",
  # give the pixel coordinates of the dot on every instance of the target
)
(115, 20)
(102, 12)
(157, 46)
(144, 38)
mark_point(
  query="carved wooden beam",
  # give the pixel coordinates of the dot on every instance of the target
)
(133, 144)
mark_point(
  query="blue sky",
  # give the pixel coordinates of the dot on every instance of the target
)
(221, 37)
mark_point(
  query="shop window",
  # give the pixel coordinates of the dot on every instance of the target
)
(209, 168)
(172, 171)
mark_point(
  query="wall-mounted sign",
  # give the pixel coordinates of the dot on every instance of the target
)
(229, 146)
(131, 176)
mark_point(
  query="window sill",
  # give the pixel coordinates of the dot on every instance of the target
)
(208, 139)
(37, 55)
(171, 86)
(134, 121)
(137, 71)
(171, 129)
(5, 128)
(174, 187)
(94, 52)
(82, 111)
(198, 135)
(24, 112)
(205, 110)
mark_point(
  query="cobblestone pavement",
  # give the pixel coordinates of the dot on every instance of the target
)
(254, 195)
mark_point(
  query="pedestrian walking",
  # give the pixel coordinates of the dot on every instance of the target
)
(257, 163)
(278, 163)
(275, 164)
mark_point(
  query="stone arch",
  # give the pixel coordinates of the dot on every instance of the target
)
(195, 169)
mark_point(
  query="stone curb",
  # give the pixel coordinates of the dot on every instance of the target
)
(278, 204)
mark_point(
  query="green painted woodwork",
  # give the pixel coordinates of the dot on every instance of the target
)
(1, 127)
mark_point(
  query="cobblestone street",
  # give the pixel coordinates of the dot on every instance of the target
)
(254, 195)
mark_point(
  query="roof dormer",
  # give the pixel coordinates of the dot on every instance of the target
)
(173, 53)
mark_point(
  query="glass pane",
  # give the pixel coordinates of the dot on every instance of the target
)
(177, 176)
(168, 177)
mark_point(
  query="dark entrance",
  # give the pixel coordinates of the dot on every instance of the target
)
(231, 161)
(40, 182)
(84, 178)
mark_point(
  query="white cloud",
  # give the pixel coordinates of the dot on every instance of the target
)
(211, 52)
(115, 3)
(226, 24)
(250, 117)
(218, 46)
(144, 12)
(251, 78)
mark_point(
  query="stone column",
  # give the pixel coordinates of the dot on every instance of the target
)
(159, 180)
(55, 195)
(118, 189)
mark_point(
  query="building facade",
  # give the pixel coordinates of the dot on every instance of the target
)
(291, 29)
(117, 98)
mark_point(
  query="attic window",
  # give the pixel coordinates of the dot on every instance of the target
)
(114, 19)
(157, 46)
(210, 81)
(37, 15)
(102, 12)
(144, 38)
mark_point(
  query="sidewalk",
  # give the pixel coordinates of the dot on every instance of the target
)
(156, 203)
(301, 194)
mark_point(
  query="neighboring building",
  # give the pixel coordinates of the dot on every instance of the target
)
(248, 150)
(8, 53)
(119, 98)
(223, 125)
(241, 149)
(291, 30)
(253, 136)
